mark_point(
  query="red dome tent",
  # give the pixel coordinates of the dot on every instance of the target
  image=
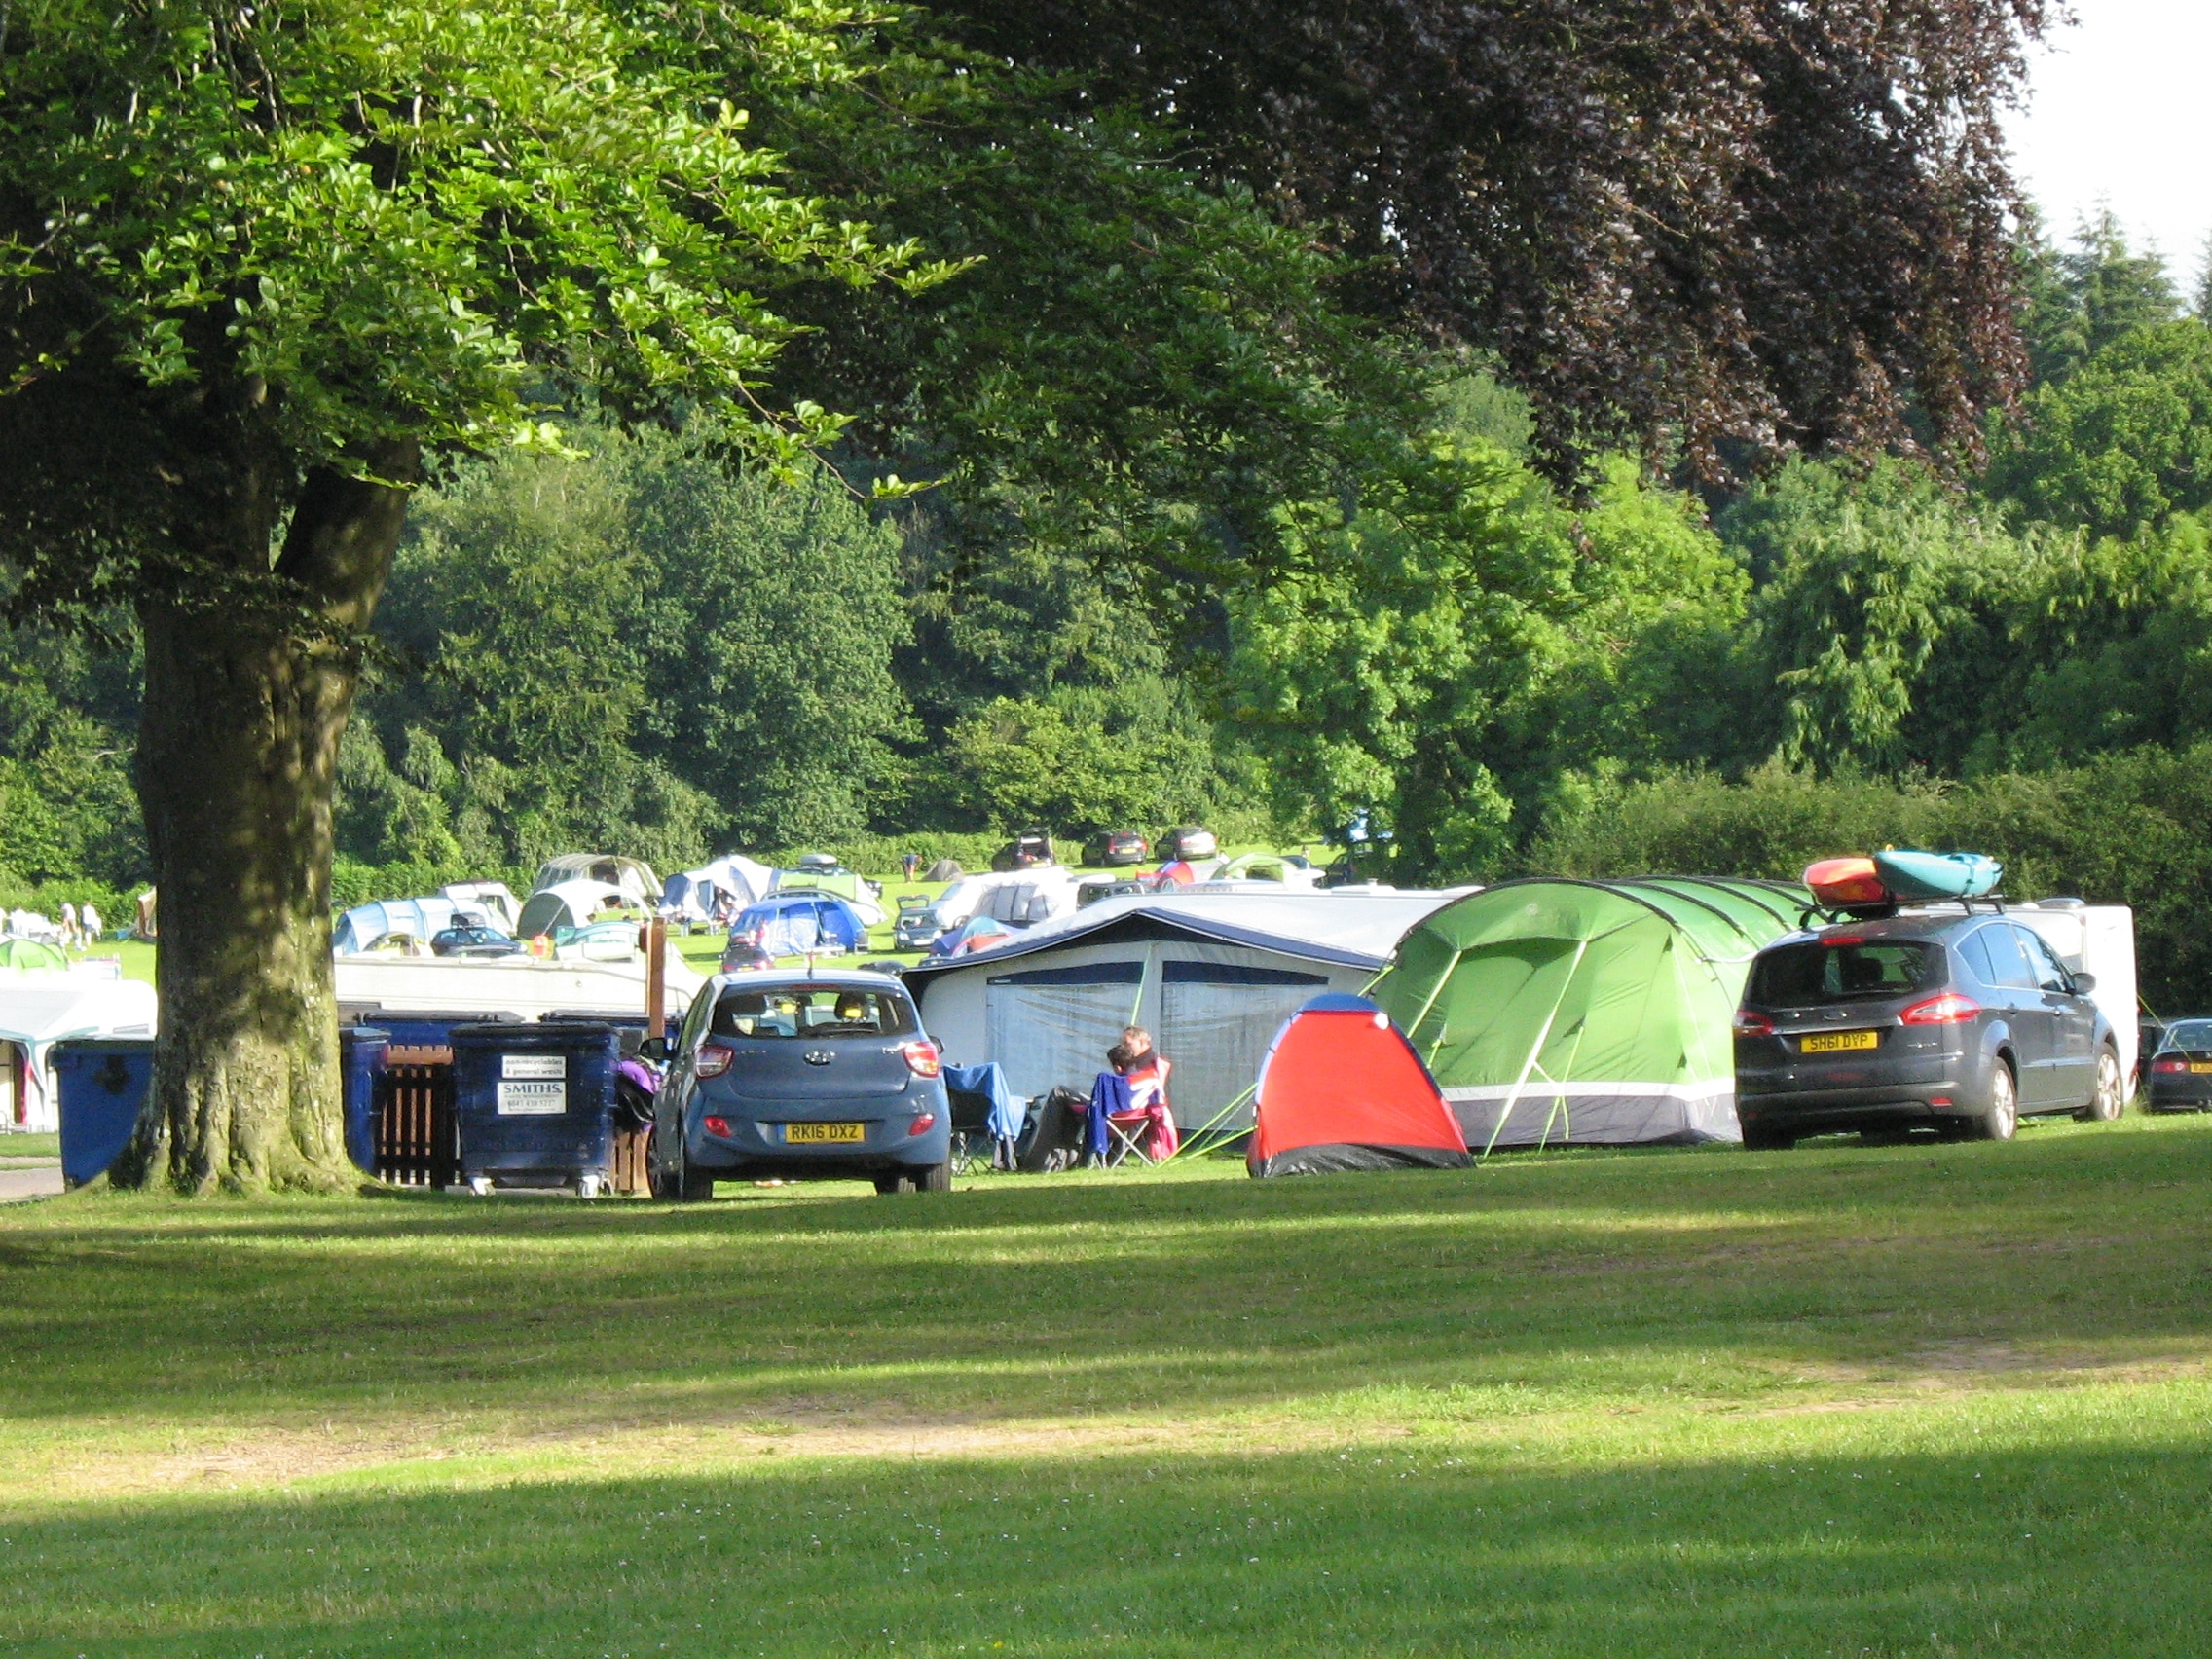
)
(1342, 1089)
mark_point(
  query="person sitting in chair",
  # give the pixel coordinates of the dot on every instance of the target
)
(1109, 1098)
(1147, 1072)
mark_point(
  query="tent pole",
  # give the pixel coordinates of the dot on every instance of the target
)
(1542, 1036)
(1191, 1139)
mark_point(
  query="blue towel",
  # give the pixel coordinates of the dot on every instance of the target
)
(1108, 1095)
(989, 1081)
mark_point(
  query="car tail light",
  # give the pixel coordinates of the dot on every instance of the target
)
(924, 1122)
(1949, 1008)
(718, 1127)
(714, 1060)
(2169, 1065)
(1750, 1024)
(922, 1058)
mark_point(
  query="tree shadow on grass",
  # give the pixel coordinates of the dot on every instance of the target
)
(1797, 1547)
(1584, 1278)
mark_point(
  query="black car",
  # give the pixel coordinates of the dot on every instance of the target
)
(1188, 842)
(2180, 1074)
(1026, 851)
(777, 1075)
(466, 939)
(1958, 1023)
(1116, 847)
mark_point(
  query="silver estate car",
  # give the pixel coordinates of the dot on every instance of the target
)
(791, 1075)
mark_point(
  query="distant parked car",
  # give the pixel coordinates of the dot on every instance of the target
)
(1957, 1022)
(1188, 843)
(1116, 847)
(1026, 851)
(822, 1077)
(740, 954)
(918, 923)
(472, 939)
(1109, 887)
(2179, 1076)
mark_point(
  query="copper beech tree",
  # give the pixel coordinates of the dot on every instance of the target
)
(1676, 222)
(261, 268)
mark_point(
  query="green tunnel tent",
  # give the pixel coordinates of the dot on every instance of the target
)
(1586, 1013)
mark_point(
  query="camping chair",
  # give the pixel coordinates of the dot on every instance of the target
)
(1147, 1129)
(1127, 1133)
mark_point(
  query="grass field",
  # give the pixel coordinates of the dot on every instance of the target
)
(1918, 1400)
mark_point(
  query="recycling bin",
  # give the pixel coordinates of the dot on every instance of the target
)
(536, 1104)
(408, 1028)
(360, 1059)
(100, 1084)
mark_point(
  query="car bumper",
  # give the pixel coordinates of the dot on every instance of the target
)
(756, 1143)
(1877, 1105)
(2185, 1096)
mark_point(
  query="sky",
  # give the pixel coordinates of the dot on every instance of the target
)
(2120, 111)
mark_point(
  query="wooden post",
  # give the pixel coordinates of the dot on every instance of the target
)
(656, 976)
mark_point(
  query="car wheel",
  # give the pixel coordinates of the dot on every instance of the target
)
(673, 1177)
(889, 1184)
(1763, 1137)
(936, 1178)
(2003, 1118)
(2110, 1099)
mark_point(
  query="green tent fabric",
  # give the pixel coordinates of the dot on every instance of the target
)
(1587, 1012)
(31, 954)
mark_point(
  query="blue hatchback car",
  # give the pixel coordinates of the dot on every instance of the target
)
(822, 1077)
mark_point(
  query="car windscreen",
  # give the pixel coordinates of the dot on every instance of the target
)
(2189, 1034)
(1820, 971)
(813, 1010)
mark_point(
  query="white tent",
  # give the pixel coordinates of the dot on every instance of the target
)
(1212, 975)
(695, 894)
(632, 877)
(38, 1010)
(570, 904)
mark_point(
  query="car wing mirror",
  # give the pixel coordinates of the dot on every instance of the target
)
(653, 1048)
(2084, 984)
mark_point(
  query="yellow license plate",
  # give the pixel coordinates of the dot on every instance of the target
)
(824, 1134)
(1838, 1042)
(2200, 1067)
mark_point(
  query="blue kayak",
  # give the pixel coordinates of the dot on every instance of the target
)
(1938, 875)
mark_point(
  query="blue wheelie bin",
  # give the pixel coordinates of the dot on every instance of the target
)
(536, 1104)
(360, 1057)
(100, 1082)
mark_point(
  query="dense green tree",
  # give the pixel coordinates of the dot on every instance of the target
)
(1136, 754)
(1443, 653)
(775, 610)
(68, 719)
(259, 269)
(2084, 298)
(2123, 442)
(1865, 581)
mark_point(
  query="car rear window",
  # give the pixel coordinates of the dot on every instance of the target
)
(2189, 1034)
(813, 1010)
(1816, 972)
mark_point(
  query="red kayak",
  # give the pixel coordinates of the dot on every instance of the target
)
(1847, 881)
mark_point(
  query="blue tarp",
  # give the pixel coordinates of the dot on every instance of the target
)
(802, 922)
(990, 1082)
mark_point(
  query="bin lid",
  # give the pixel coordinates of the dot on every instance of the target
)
(565, 1034)
(101, 1046)
(364, 1033)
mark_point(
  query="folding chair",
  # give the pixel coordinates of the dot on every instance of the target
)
(1129, 1131)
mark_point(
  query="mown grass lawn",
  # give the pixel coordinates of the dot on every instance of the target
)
(1917, 1400)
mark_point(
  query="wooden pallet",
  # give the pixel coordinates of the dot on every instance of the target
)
(418, 1135)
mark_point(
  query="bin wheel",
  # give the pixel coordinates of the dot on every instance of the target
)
(480, 1186)
(587, 1185)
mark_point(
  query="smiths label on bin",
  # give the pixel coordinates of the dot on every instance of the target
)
(534, 1065)
(532, 1099)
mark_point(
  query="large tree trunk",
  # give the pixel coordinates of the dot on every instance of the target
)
(248, 689)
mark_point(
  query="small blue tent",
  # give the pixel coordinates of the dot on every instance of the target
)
(793, 924)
